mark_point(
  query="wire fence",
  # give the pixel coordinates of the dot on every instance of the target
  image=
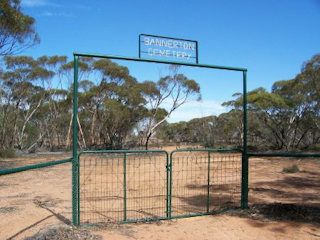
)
(203, 182)
(130, 186)
(122, 186)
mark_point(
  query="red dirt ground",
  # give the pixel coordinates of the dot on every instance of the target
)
(34, 201)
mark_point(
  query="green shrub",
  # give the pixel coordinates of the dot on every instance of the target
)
(293, 169)
(7, 153)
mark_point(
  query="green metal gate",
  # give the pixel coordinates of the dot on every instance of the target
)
(131, 186)
(122, 186)
(204, 181)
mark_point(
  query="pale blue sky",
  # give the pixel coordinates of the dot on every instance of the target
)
(271, 38)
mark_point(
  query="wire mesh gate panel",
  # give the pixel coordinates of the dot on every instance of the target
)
(129, 186)
(122, 186)
(204, 181)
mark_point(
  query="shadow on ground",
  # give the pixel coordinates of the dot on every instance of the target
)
(302, 188)
(281, 212)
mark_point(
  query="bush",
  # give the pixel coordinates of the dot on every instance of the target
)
(293, 169)
(7, 153)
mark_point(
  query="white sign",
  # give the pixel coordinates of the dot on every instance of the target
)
(168, 48)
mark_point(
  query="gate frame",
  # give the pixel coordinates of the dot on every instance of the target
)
(209, 151)
(75, 163)
(125, 152)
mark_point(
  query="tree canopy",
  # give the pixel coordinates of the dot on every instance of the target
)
(286, 118)
(118, 111)
(17, 30)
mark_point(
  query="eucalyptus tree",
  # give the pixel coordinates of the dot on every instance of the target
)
(53, 111)
(66, 73)
(302, 96)
(23, 95)
(203, 130)
(173, 90)
(110, 104)
(288, 116)
(17, 30)
(118, 104)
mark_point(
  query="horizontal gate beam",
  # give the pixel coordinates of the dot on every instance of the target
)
(159, 61)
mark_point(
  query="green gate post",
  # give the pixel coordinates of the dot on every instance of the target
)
(167, 199)
(170, 185)
(124, 187)
(208, 189)
(75, 172)
(244, 179)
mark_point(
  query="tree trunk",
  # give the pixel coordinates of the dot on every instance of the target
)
(92, 129)
(81, 133)
(69, 133)
(147, 140)
(27, 118)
